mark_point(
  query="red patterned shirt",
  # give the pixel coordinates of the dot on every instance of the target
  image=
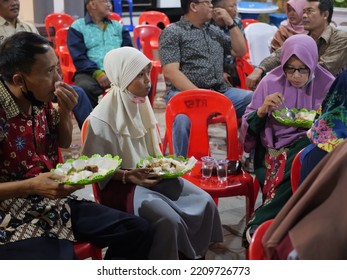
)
(28, 146)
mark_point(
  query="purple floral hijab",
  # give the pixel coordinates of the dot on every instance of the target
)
(276, 135)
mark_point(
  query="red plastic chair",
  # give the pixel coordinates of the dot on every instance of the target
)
(154, 18)
(115, 16)
(256, 250)
(244, 68)
(248, 21)
(66, 64)
(198, 105)
(295, 172)
(84, 250)
(57, 21)
(146, 38)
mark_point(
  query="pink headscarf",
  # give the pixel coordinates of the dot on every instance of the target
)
(298, 6)
(275, 135)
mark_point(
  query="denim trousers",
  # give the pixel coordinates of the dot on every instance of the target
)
(181, 128)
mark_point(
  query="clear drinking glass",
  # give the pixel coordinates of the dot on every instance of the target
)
(222, 169)
(207, 166)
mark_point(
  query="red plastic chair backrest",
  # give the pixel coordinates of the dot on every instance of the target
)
(67, 67)
(248, 21)
(115, 16)
(244, 68)
(295, 171)
(154, 18)
(146, 38)
(61, 38)
(256, 250)
(199, 105)
(57, 21)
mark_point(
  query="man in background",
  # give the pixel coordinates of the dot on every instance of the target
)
(231, 7)
(230, 72)
(191, 52)
(89, 39)
(9, 22)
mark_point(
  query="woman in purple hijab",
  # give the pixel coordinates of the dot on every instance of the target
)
(301, 83)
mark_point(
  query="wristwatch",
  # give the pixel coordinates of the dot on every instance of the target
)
(230, 26)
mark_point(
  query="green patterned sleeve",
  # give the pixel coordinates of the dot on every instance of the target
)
(256, 124)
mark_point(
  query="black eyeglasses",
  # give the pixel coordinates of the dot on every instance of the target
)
(208, 2)
(291, 70)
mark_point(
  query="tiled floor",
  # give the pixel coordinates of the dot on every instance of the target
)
(232, 210)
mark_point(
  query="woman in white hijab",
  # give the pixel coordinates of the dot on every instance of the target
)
(185, 219)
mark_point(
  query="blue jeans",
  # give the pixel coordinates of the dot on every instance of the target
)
(181, 128)
(83, 107)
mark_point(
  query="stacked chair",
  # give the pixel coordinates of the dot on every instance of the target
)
(154, 18)
(67, 67)
(146, 39)
(56, 21)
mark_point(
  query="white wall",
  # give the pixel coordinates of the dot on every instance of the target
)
(58, 6)
(168, 3)
(26, 11)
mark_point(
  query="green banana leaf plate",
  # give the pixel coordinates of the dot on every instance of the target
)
(303, 117)
(168, 166)
(87, 170)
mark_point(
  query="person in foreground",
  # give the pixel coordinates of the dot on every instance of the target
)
(299, 83)
(192, 55)
(184, 217)
(39, 217)
(312, 225)
(292, 25)
(330, 128)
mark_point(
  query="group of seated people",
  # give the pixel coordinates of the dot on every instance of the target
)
(141, 215)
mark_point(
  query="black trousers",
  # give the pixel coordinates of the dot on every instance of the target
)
(125, 235)
(90, 86)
